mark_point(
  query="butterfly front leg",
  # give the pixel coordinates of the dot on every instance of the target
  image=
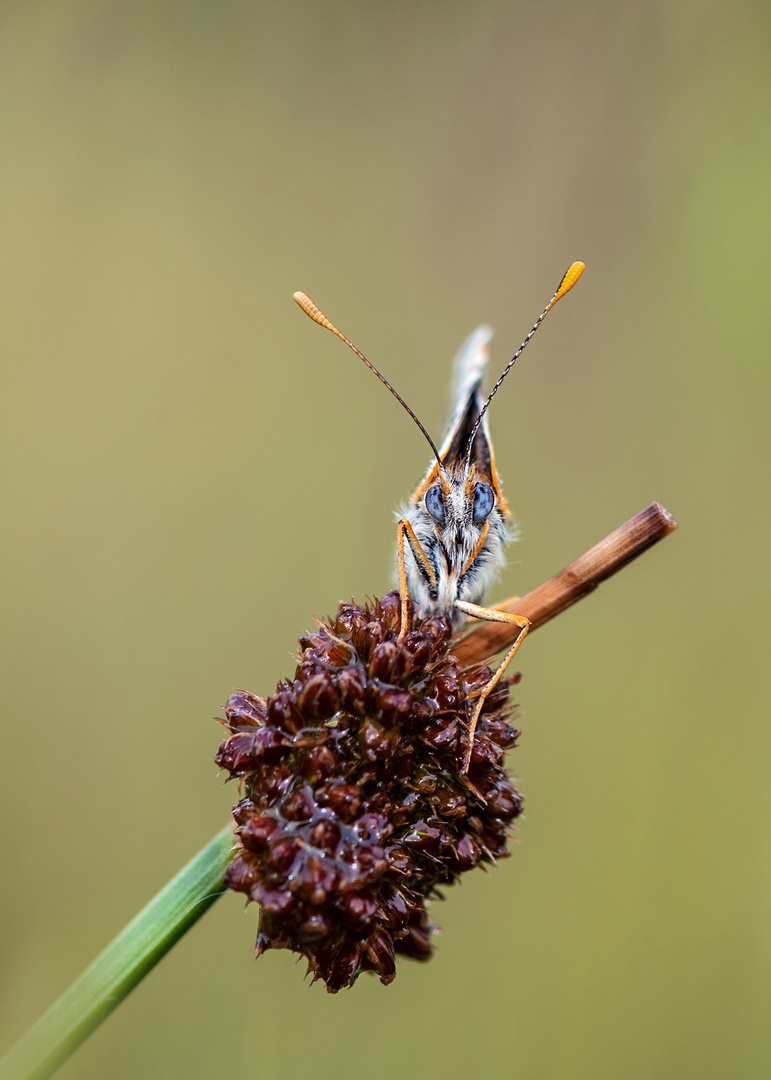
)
(403, 528)
(491, 615)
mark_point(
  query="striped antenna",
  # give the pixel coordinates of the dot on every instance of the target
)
(569, 278)
(318, 316)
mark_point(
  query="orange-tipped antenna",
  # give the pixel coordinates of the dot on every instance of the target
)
(318, 316)
(569, 278)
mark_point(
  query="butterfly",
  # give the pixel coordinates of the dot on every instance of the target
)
(452, 533)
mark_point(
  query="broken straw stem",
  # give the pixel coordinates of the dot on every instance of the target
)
(571, 584)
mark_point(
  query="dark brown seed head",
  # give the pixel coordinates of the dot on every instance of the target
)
(356, 808)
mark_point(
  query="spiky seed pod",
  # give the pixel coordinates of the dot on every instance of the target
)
(356, 807)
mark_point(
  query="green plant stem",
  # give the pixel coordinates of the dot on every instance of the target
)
(123, 964)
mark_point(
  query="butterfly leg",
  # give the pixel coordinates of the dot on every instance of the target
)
(491, 615)
(403, 528)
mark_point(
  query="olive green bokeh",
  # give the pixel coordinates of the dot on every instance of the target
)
(190, 469)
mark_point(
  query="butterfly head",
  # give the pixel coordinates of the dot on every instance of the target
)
(459, 500)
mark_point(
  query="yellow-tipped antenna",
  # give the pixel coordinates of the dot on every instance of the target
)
(318, 316)
(569, 278)
(572, 274)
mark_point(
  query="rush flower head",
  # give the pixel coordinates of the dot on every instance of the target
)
(357, 808)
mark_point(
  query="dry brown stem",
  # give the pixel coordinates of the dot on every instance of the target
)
(571, 584)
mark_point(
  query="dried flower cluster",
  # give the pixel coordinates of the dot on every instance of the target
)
(356, 808)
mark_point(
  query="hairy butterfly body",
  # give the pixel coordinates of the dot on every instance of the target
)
(457, 514)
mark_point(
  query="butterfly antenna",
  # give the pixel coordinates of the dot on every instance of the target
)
(318, 316)
(570, 277)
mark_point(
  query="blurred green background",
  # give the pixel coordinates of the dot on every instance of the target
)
(191, 469)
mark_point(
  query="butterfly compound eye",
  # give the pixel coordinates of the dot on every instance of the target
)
(484, 501)
(434, 503)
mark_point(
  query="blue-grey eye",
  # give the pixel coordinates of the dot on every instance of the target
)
(434, 503)
(484, 501)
